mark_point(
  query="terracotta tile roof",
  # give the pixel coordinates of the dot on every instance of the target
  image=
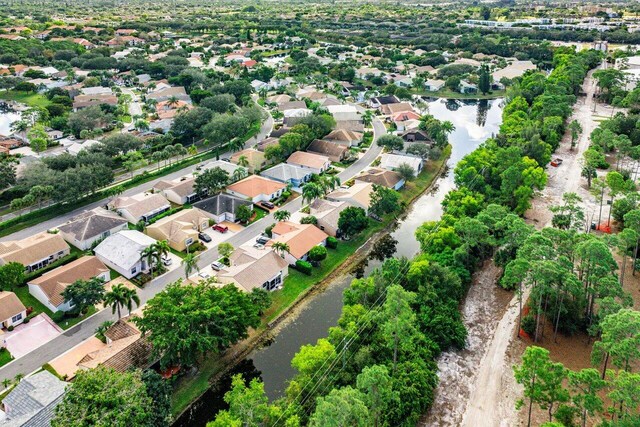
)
(256, 185)
(10, 305)
(54, 282)
(390, 109)
(300, 237)
(32, 249)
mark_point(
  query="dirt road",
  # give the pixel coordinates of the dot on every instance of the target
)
(477, 386)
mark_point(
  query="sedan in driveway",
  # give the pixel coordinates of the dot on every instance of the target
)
(267, 205)
(217, 266)
(204, 237)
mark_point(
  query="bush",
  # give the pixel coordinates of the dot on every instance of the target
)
(332, 242)
(529, 324)
(10, 328)
(26, 320)
(304, 267)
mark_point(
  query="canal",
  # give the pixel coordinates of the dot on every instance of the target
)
(474, 122)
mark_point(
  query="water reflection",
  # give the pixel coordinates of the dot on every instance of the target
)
(472, 127)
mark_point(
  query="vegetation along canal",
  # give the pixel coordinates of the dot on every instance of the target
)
(474, 122)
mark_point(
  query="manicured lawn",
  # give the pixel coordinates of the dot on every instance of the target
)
(29, 98)
(72, 321)
(296, 283)
(30, 301)
(259, 214)
(5, 357)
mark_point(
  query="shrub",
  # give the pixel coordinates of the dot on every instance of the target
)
(10, 328)
(26, 320)
(529, 324)
(304, 267)
(332, 242)
(268, 230)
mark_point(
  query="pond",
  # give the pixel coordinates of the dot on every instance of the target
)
(7, 116)
(474, 122)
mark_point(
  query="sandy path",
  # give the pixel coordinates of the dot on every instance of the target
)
(477, 386)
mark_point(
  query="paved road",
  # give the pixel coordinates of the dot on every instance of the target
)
(74, 336)
(265, 130)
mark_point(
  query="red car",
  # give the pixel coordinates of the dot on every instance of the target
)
(556, 162)
(221, 228)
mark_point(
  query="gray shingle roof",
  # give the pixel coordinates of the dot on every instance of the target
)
(93, 223)
(221, 203)
(284, 172)
(32, 401)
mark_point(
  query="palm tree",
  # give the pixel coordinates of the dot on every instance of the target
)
(236, 144)
(151, 254)
(6, 382)
(18, 377)
(280, 248)
(329, 182)
(238, 174)
(243, 161)
(163, 248)
(311, 191)
(367, 118)
(114, 192)
(192, 150)
(282, 215)
(173, 101)
(19, 126)
(121, 296)
(190, 263)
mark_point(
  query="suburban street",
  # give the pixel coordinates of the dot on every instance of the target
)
(75, 335)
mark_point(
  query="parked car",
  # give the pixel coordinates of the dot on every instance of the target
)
(217, 266)
(204, 237)
(204, 275)
(262, 240)
(556, 162)
(166, 261)
(267, 205)
(259, 245)
(220, 228)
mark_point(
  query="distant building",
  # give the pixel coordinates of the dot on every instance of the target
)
(33, 401)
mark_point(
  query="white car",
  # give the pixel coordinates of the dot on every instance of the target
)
(166, 261)
(217, 266)
(204, 275)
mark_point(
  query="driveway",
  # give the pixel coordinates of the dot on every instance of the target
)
(29, 336)
(86, 329)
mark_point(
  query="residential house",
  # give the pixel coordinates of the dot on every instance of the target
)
(413, 135)
(168, 109)
(84, 101)
(466, 87)
(328, 214)
(10, 143)
(34, 252)
(405, 120)
(96, 90)
(228, 167)
(86, 229)
(179, 191)
(382, 177)
(77, 147)
(222, 207)
(344, 113)
(267, 142)
(49, 287)
(344, 137)
(181, 229)
(391, 109)
(123, 252)
(434, 85)
(333, 151)
(293, 116)
(291, 105)
(278, 99)
(256, 160)
(379, 101)
(257, 189)
(140, 207)
(393, 161)
(404, 82)
(513, 70)
(164, 94)
(288, 174)
(316, 163)
(300, 238)
(33, 401)
(125, 349)
(12, 311)
(350, 125)
(359, 194)
(254, 268)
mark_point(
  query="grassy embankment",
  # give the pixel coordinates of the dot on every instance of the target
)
(297, 285)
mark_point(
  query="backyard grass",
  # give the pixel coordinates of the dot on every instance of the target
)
(259, 214)
(29, 98)
(296, 283)
(5, 357)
